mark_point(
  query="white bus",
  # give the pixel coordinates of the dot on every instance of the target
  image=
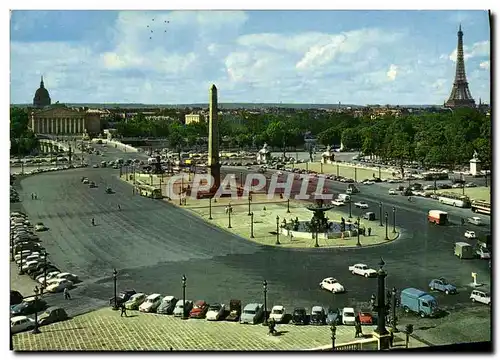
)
(481, 206)
(454, 200)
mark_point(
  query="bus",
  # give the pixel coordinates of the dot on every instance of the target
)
(149, 191)
(454, 200)
(481, 206)
(435, 176)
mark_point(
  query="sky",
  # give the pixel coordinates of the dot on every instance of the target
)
(315, 57)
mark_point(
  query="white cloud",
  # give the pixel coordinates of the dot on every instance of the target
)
(485, 65)
(478, 49)
(392, 72)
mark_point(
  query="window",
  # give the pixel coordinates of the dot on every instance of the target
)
(425, 304)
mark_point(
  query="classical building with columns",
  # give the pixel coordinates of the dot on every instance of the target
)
(61, 120)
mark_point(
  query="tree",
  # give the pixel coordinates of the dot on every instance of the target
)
(351, 139)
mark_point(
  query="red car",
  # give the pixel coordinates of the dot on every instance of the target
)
(365, 318)
(199, 310)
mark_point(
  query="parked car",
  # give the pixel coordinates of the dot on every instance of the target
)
(179, 306)
(51, 315)
(442, 285)
(369, 216)
(277, 313)
(40, 227)
(299, 316)
(167, 305)
(392, 192)
(58, 285)
(135, 301)
(333, 316)
(469, 234)
(151, 303)
(28, 306)
(363, 270)
(234, 310)
(15, 297)
(215, 312)
(21, 323)
(318, 315)
(361, 205)
(475, 220)
(331, 284)
(252, 313)
(348, 316)
(480, 296)
(365, 318)
(199, 310)
(50, 275)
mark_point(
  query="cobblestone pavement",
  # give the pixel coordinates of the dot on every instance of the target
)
(105, 330)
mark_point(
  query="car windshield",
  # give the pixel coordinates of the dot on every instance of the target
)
(278, 311)
(249, 311)
(349, 314)
(215, 307)
(332, 311)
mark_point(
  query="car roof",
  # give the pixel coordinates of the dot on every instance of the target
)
(179, 302)
(317, 308)
(168, 298)
(348, 309)
(52, 308)
(330, 278)
(200, 302)
(16, 318)
(360, 264)
(251, 305)
(152, 296)
(138, 295)
(278, 307)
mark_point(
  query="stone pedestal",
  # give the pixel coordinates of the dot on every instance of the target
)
(475, 166)
(384, 340)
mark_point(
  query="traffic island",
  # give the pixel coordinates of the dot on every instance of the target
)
(347, 170)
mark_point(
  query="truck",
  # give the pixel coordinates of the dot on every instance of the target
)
(437, 217)
(234, 310)
(419, 302)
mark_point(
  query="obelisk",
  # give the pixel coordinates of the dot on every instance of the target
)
(213, 139)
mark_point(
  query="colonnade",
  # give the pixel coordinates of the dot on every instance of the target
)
(59, 126)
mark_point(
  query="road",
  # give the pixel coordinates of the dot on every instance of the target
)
(152, 243)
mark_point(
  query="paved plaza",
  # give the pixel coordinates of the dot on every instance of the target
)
(105, 330)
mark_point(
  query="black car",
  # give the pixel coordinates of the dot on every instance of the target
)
(299, 316)
(333, 316)
(122, 297)
(51, 315)
(28, 307)
(15, 297)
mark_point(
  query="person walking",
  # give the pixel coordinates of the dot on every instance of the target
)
(369, 231)
(123, 310)
(357, 325)
(67, 296)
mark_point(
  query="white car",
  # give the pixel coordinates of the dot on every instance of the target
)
(50, 275)
(29, 265)
(215, 312)
(277, 313)
(338, 202)
(361, 205)
(363, 270)
(331, 284)
(25, 253)
(392, 192)
(151, 303)
(348, 316)
(368, 182)
(21, 323)
(480, 296)
(475, 220)
(469, 234)
(40, 227)
(59, 285)
(67, 276)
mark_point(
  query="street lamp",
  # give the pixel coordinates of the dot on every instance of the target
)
(45, 254)
(358, 243)
(251, 225)
(379, 305)
(355, 174)
(264, 284)
(36, 330)
(386, 225)
(333, 329)
(380, 212)
(316, 230)
(288, 205)
(277, 230)
(393, 305)
(210, 208)
(350, 212)
(184, 297)
(229, 210)
(115, 306)
(249, 201)
(393, 219)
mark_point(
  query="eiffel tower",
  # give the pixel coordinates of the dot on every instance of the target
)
(460, 94)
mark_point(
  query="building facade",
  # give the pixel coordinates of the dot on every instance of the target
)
(61, 120)
(193, 118)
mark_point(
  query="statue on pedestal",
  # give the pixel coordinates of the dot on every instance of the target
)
(264, 155)
(328, 156)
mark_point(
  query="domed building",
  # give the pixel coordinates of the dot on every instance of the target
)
(42, 97)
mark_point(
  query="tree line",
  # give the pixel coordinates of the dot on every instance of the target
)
(22, 140)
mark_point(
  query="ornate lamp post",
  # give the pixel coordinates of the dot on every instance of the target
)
(393, 219)
(184, 297)
(44, 286)
(316, 230)
(393, 305)
(288, 205)
(380, 212)
(115, 305)
(350, 212)
(358, 243)
(251, 225)
(386, 225)
(379, 305)
(210, 208)
(355, 174)
(249, 202)
(277, 230)
(264, 285)
(333, 329)
(36, 330)
(229, 210)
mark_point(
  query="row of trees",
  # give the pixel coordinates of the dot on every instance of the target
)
(22, 139)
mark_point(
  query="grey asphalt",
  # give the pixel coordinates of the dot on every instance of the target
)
(152, 243)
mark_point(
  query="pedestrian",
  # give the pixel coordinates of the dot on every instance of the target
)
(119, 207)
(67, 296)
(226, 209)
(391, 339)
(32, 196)
(36, 197)
(369, 231)
(357, 325)
(123, 310)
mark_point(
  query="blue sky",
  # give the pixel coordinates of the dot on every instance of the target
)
(357, 57)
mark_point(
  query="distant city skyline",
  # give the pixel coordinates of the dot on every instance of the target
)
(306, 57)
